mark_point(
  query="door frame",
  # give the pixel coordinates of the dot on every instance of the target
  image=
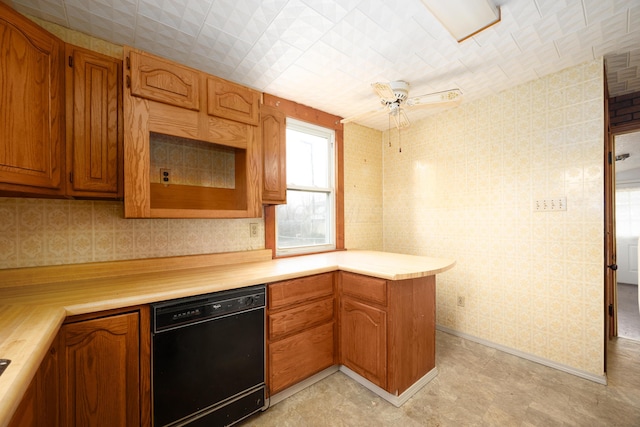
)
(611, 297)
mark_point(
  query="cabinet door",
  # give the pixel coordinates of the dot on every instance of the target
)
(363, 335)
(164, 81)
(94, 133)
(39, 405)
(232, 101)
(31, 106)
(99, 365)
(274, 155)
(298, 357)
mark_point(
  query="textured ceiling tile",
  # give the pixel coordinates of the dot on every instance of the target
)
(52, 11)
(332, 10)
(550, 7)
(595, 10)
(521, 13)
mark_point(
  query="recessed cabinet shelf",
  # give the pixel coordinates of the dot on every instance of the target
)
(164, 98)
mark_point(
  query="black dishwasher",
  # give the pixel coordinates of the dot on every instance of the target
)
(208, 358)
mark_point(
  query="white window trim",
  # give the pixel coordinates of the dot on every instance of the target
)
(331, 135)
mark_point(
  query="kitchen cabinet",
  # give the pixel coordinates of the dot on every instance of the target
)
(232, 101)
(100, 371)
(301, 337)
(387, 329)
(164, 81)
(39, 405)
(168, 99)
(94, 124)
(274, 156)
(32, 119)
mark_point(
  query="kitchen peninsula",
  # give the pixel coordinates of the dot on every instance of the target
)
(398, 290)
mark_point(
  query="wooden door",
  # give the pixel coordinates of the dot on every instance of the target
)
(274, 155)
(610, 281)
(164, 81)
(94, 131)
(31, 106)
(99, 371)
(232, 101)
(363, 338)
(39, 405)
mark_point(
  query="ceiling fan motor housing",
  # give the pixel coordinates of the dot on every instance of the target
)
(400, 90)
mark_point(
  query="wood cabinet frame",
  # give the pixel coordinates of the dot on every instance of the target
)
(143, 116)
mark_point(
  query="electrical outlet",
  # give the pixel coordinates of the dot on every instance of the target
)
(165, 176)
(253, 229)
(460, 301)
(550, 205)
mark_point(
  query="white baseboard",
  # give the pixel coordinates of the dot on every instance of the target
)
(279, 397)
(601, 379)
(396, 400)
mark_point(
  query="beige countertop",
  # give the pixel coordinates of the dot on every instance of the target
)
(35, 301)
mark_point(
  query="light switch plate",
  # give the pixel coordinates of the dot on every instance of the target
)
(550, 205)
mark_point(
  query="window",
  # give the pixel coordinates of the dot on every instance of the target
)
(307, 222)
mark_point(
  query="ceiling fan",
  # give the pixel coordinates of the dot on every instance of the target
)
(394, 97)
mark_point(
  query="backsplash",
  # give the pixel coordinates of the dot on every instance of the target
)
(192, 162)
(37, 232)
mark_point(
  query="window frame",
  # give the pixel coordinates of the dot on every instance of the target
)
(330, 190)
(293, 110)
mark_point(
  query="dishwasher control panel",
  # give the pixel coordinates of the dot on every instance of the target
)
(176, 313)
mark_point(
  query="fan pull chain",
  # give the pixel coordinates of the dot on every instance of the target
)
(399, 145)
(389, 128)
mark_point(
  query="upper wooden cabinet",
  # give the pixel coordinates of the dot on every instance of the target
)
(274, 155)
(31, 107)
(192, 188)
(164, 81)
(94, 124)
(232, 101)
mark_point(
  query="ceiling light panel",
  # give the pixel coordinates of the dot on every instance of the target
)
(464, 18)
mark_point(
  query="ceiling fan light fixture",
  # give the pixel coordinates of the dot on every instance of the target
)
(464, 18)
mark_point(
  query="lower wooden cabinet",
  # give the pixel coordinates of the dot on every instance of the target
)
(39, 406)
(301, 336)
(99, 371)
(299, 356)
(363, 338)
(96, 373)
(387, 329)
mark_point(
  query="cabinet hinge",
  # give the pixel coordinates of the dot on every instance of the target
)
(128, 81)
(128, 61)
(610, 158)
(70, 61)
(610, 309)
(71, 177)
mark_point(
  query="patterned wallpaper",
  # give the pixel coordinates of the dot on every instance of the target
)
(46, 232)
(464, 186)
(191, 162)
(362, 188)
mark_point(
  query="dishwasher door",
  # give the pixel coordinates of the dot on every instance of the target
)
(210, 372)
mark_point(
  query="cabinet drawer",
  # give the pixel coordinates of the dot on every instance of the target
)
(300, 318)
(364, 287)
(296, 291)
(293, 359)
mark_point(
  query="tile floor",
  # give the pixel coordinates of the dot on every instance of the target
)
(476, 386)
(628, 313)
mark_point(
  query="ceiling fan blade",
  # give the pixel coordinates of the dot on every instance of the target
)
(362, 115)
(453, 95)
(400, 118)
(384, 91)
